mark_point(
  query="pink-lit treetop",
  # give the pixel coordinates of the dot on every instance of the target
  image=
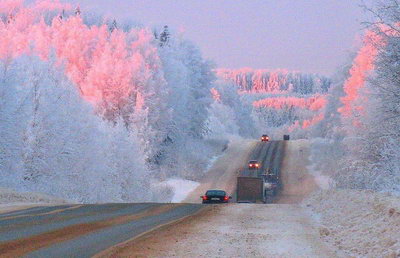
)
(362, 67)
(314, 103)
(274, 81)
(106, 66)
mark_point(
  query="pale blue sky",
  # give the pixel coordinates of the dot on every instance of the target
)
(303, 35)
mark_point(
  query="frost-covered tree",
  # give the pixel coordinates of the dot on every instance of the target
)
(189, 79)
(52, 142)
(364, 134)
(229, 113)
(265, 81)
(383, 91)
(164, 36)
(86, 102)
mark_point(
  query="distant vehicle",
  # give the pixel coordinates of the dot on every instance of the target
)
(264, 138)
(215, 196)
(253, 164)
(272, 183)
(250, 188)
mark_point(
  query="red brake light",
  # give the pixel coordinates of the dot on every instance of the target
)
(204, 197)
(226, 198)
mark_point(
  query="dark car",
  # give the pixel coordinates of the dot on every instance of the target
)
(264, 138)
(215, 196)
(253, 164)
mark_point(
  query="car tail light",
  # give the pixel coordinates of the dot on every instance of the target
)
(205, 198)
(226, 198)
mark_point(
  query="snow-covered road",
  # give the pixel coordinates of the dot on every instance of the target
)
(245, 230)
(236, 230)
(223, 173)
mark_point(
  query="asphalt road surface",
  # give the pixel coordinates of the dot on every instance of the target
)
(222, 175)
(270, 155)
(280, 229)
(86, 230)
(82, 230)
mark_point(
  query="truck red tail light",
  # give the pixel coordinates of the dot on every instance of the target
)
(226, 198)
(204, 198)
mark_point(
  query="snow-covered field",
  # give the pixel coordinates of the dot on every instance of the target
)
(361, 223)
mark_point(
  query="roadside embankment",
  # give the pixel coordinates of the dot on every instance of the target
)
(297, 182)
(360, 223)
(11, 200)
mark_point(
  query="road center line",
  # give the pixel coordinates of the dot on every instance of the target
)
(23, 246)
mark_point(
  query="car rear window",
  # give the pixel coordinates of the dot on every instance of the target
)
(216, 193)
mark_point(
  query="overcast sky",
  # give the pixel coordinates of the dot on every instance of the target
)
(303, 35)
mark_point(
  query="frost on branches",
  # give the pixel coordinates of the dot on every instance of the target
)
(51, 140)
(361, 125)
(266, 81)
(283, 101)
(92, 110)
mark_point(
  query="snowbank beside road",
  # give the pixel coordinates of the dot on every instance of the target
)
(8, 196)
(181, 188)
(233, 230)
(360, 223)
(11, 200)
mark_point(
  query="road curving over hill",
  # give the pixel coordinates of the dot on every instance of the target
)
(281, 229)
(223, 173)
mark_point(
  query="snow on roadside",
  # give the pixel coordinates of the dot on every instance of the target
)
(236, 230)
(323, 181)
(181, 188)
(360, 223)
(10, 197)
(213, 160)
(232, 140)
